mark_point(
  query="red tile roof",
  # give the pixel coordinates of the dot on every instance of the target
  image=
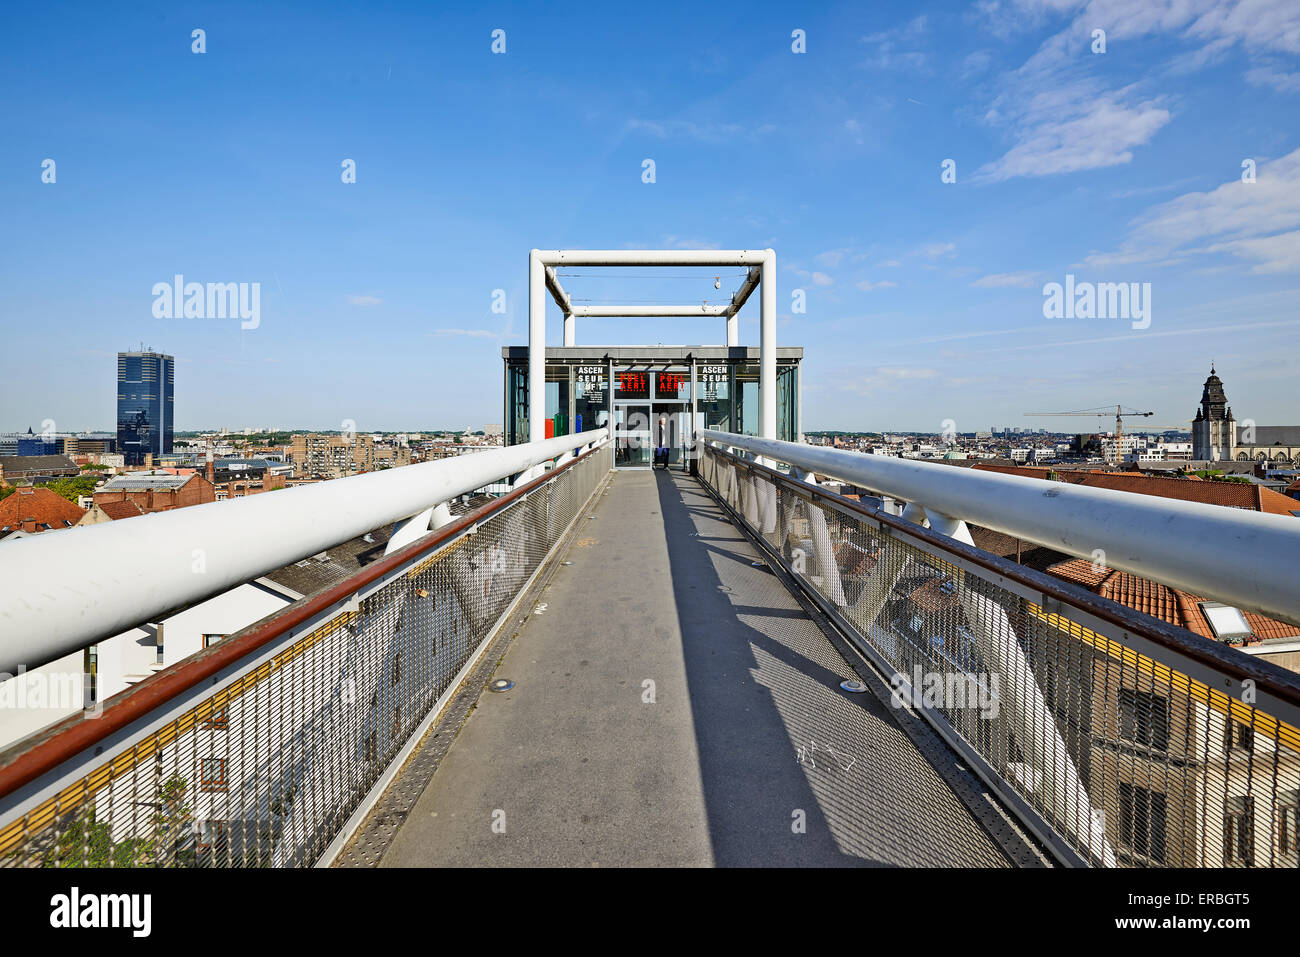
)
(1159, 601)
(123, 509)
(1245, 495)
(32, 508)
(1027, 471)
(1191, 488)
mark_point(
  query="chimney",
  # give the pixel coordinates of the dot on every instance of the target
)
(210, 471)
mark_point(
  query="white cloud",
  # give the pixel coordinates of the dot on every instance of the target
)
(1002, 279)
(935, 250)
(681, 242)
(866, 286)
(1256, 24)
(1257, 222)
(1266, 76)
(821, 279)
(364, 300)
(1271, 254)
(896, 49)
(1074, 128)
(705, 132)
(1077, 124)
(976, 62)
(867, 381)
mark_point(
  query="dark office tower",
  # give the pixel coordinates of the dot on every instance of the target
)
(144, 405)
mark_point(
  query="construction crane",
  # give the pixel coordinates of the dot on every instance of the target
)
(1119, 422)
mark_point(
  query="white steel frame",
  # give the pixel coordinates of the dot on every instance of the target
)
(542, 278)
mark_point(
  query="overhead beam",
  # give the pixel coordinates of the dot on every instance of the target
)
(557, 291)
(589, 312)
(562, 300)
(653, 257)
(738, 299)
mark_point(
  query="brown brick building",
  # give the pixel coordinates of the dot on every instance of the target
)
(156, 491)
(26, 468)
(332, 456)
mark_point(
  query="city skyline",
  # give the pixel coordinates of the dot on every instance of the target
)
(1122, 166)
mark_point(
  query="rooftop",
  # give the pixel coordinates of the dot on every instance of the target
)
(31, 463)
(46, 509)
(140, 481)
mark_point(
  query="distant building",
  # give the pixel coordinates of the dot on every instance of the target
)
(110, 512)
(1216, 436)
(30, 468)
(331, 456)
(145, 382)
(88, 445)
(1213, 432)
(156, 491)
(31, 444)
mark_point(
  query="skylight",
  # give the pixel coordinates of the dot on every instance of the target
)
(1227, 622)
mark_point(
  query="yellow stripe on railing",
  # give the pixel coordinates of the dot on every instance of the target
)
(1279, 731)
(96, 780)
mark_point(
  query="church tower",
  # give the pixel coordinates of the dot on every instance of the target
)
(1214, 431)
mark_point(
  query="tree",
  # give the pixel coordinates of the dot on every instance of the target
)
(73, 488)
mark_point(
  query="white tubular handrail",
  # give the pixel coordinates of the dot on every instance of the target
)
(1242, 558)
(65, 590)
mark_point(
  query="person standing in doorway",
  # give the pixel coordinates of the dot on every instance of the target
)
(661, 446)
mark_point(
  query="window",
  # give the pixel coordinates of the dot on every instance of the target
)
(1240, 736)
(1144, 718)
(1288, 821)
(1142, 821)
(212, 774)
(210, 640)
(1228, 623)
(218, 720)
(1239, 832)
(211, 833)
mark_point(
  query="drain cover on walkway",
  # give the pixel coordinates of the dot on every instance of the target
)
(857, 687)
(500, 684)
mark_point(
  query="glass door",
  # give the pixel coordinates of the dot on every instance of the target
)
(633, 446)
(671, 429)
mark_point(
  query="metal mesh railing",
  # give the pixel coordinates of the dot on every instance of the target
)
(1120, 757)
(265, 769)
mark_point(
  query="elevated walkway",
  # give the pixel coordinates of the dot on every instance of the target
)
(749, 753)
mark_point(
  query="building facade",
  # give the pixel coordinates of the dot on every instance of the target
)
(1213, 429)
(145, 407)
(332, 456)
(156, 492)
(1216, 436)
(652, 396)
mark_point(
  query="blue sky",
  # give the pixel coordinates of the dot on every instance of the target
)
(924, 298)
